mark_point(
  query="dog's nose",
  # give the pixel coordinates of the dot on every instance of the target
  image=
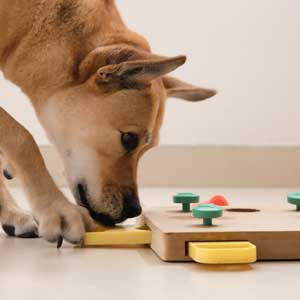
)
(131, 206)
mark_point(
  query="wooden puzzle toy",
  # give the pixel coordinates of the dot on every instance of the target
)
(236, 234)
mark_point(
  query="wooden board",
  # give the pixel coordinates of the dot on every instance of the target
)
(274, 230)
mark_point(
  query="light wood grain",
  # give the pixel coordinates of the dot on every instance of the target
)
(274, 230)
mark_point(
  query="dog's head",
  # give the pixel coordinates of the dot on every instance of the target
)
(105, 122)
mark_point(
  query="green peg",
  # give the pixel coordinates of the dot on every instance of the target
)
(186, 199)
(207, 212)
(294, 198)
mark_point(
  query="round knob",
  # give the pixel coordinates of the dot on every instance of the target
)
(294, 198)
(207, 212)
(186, 199)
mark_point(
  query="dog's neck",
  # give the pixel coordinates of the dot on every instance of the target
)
(43, 42)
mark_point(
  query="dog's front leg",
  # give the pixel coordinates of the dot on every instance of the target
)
(14, 220)
(57, 217)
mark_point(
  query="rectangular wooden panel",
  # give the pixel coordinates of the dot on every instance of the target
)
(274, 230)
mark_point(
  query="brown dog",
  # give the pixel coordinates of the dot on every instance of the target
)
(99, 93)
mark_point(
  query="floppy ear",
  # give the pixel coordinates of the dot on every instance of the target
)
(138, 73)
(180, 89)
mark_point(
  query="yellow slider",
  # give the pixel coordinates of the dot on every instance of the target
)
(125, 235)
(223, 252)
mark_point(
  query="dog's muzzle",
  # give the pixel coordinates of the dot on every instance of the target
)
(131, 207)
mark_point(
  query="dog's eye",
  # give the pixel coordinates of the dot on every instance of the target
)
(130, 141)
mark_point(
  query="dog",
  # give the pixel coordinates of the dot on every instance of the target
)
(100, 93)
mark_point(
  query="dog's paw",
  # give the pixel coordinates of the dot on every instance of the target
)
(18, 223)
(64, 221)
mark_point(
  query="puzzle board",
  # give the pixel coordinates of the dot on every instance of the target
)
(274, 230)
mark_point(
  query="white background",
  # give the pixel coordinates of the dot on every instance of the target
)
(247, 49)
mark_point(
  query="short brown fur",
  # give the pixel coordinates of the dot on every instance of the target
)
(92, 82)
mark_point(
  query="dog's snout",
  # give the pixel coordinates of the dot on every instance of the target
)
(131, 206)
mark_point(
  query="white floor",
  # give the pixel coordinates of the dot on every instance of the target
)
(33, 269)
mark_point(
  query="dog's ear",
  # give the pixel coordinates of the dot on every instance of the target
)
(126, 66)
(138, 73)
(180, 89)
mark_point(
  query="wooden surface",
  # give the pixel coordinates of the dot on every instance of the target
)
(274, 230)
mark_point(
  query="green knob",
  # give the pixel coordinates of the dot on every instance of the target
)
(186, 199)
(294, 198)
(207, 212)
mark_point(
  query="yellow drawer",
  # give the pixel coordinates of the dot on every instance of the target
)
(223, 252)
